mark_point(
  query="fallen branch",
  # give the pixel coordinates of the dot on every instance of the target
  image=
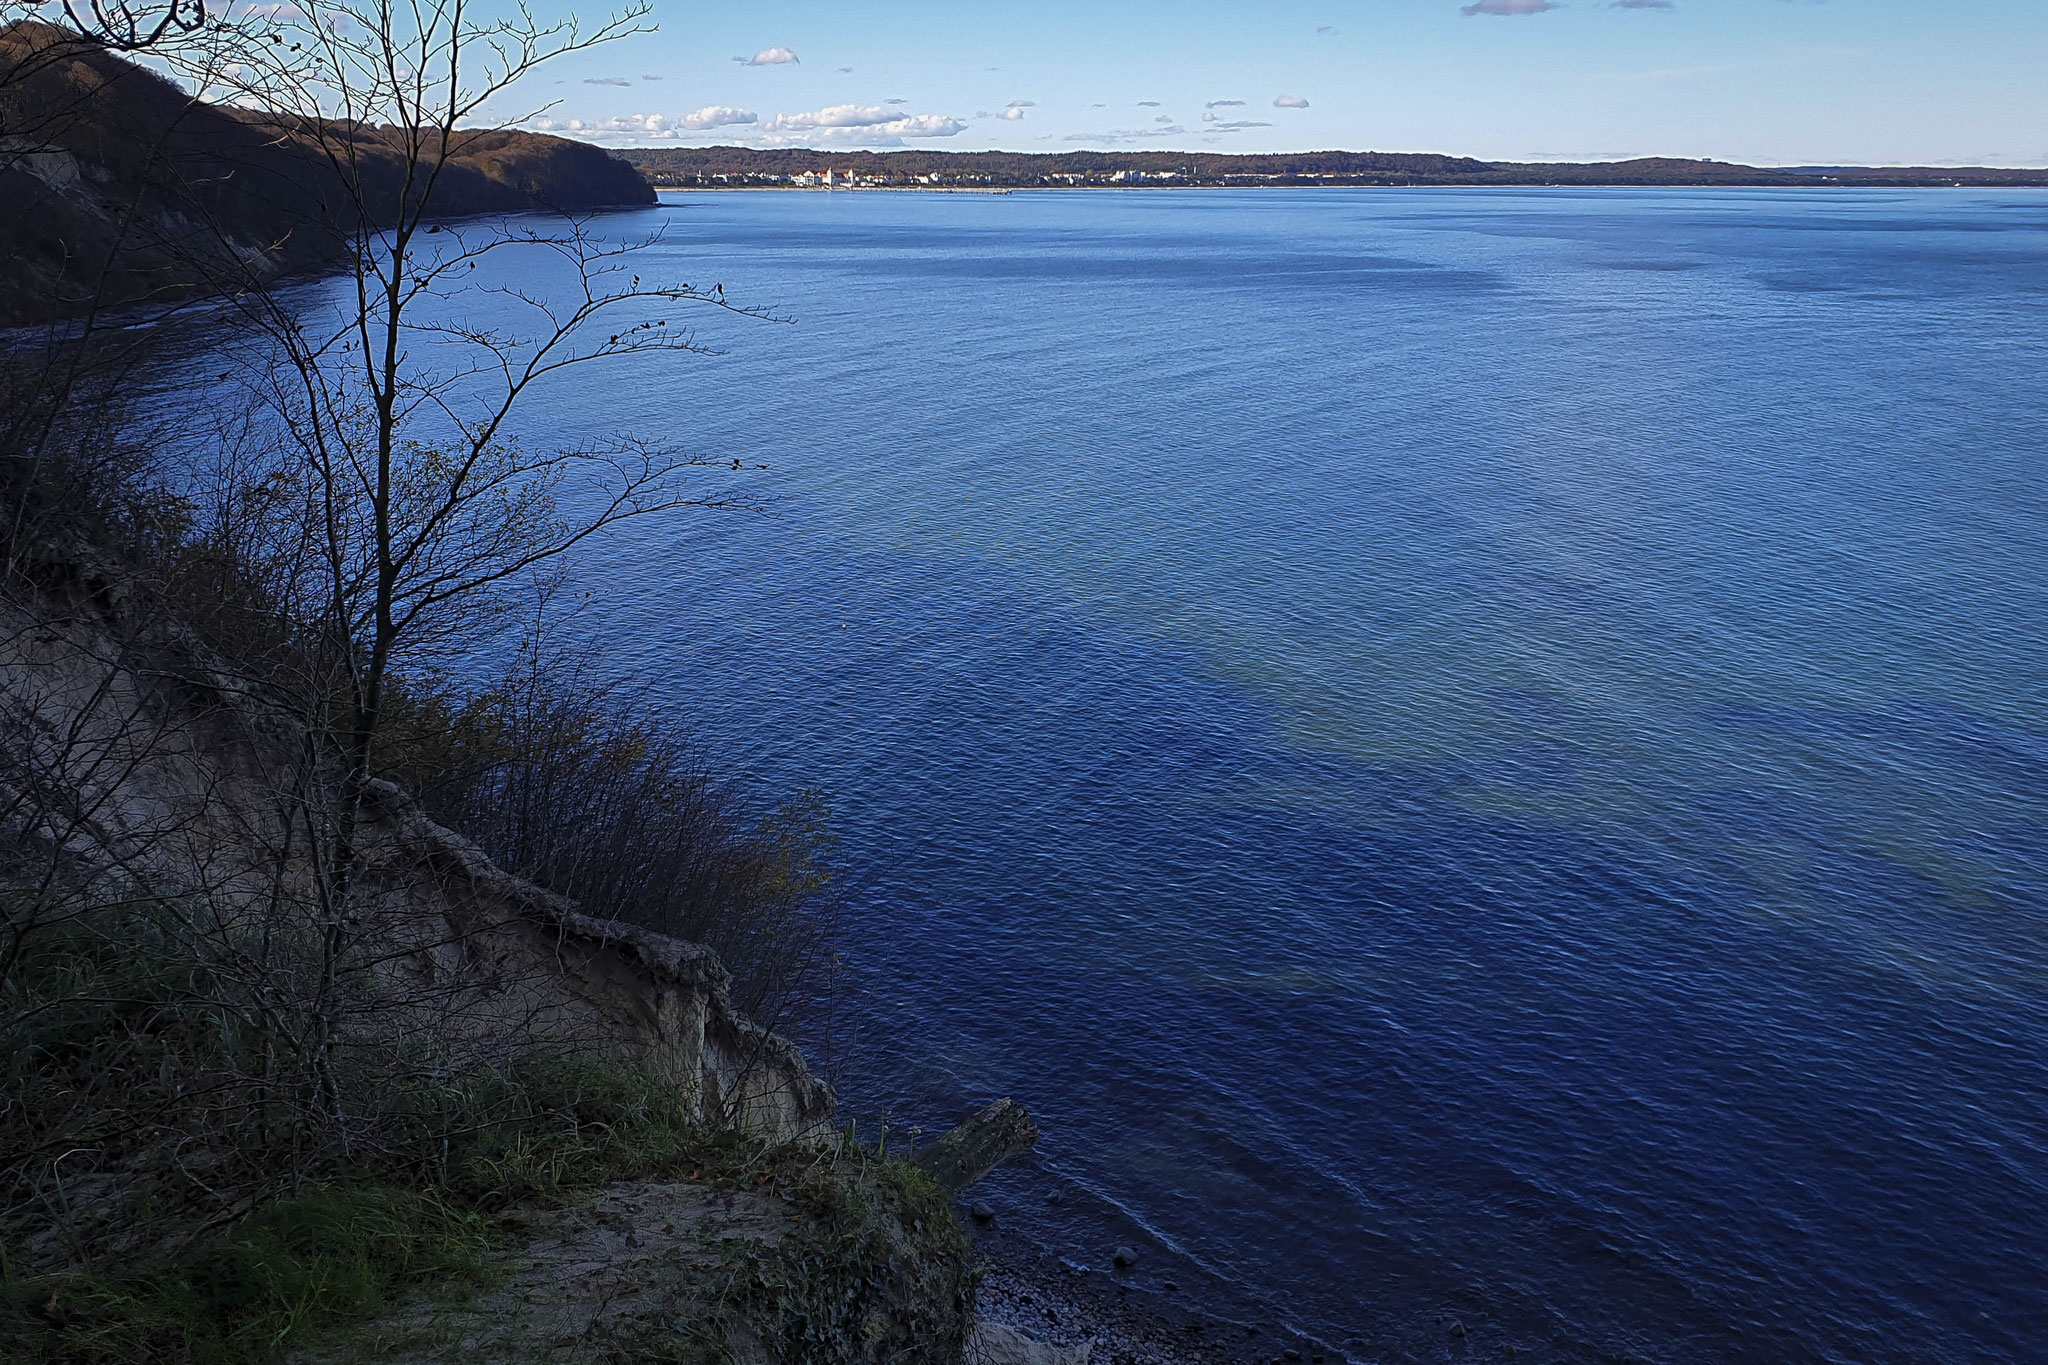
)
(978, 1146)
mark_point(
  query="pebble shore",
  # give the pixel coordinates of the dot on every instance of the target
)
(1122, 1318)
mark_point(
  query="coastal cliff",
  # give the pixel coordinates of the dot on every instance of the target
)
(124, 189)
(173, 768)
(624, 1160)
(290, 1068)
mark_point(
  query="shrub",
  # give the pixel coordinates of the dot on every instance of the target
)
(580, 787)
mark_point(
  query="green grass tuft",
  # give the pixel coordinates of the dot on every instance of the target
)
(146, 1069)
(304, 1262)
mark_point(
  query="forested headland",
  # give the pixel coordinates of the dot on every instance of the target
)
(123, 187)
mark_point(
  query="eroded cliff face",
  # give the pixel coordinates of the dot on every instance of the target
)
(582, 980)
(144, 783)
(136, 767)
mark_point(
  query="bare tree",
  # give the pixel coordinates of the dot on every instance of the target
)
(40, 38)
(378, 510)
(118, 26)
(402, 504)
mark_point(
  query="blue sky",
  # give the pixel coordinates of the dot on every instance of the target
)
(1762, 81)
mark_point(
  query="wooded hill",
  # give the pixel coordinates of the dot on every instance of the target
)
(712, 167)
(122, 188)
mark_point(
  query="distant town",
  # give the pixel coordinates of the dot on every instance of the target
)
(800, 168)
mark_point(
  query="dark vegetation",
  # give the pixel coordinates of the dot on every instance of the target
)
(877, 1268)
(714, 167)
(575, 783)
(225, 1127)
(119, 1049)
(122, 188)
(174, 1184)
(559, 773)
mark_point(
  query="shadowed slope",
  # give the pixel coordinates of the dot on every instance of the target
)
(123, 189)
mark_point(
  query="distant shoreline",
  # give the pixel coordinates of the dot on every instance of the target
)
(995, 191)
(849, 189)
(733, 168)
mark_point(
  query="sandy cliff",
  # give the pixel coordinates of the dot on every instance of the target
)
(159, 773)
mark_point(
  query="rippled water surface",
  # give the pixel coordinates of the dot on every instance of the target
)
(1465, 751)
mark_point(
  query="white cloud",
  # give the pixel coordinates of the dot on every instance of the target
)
(1224, 104)
(624, 126)
(1121, 135)
(834, 116)
(1289, 102)
(1014, 113)
(1148, 104)
(773, 56)
(718, 116)
(867, 119)
(924, 125)
(606, 80)
(1509, 7)
(1164, 118)
(895, 101)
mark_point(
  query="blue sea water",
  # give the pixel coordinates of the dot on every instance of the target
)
(1466, 752)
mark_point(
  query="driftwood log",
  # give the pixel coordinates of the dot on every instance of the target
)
(978, 1146)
